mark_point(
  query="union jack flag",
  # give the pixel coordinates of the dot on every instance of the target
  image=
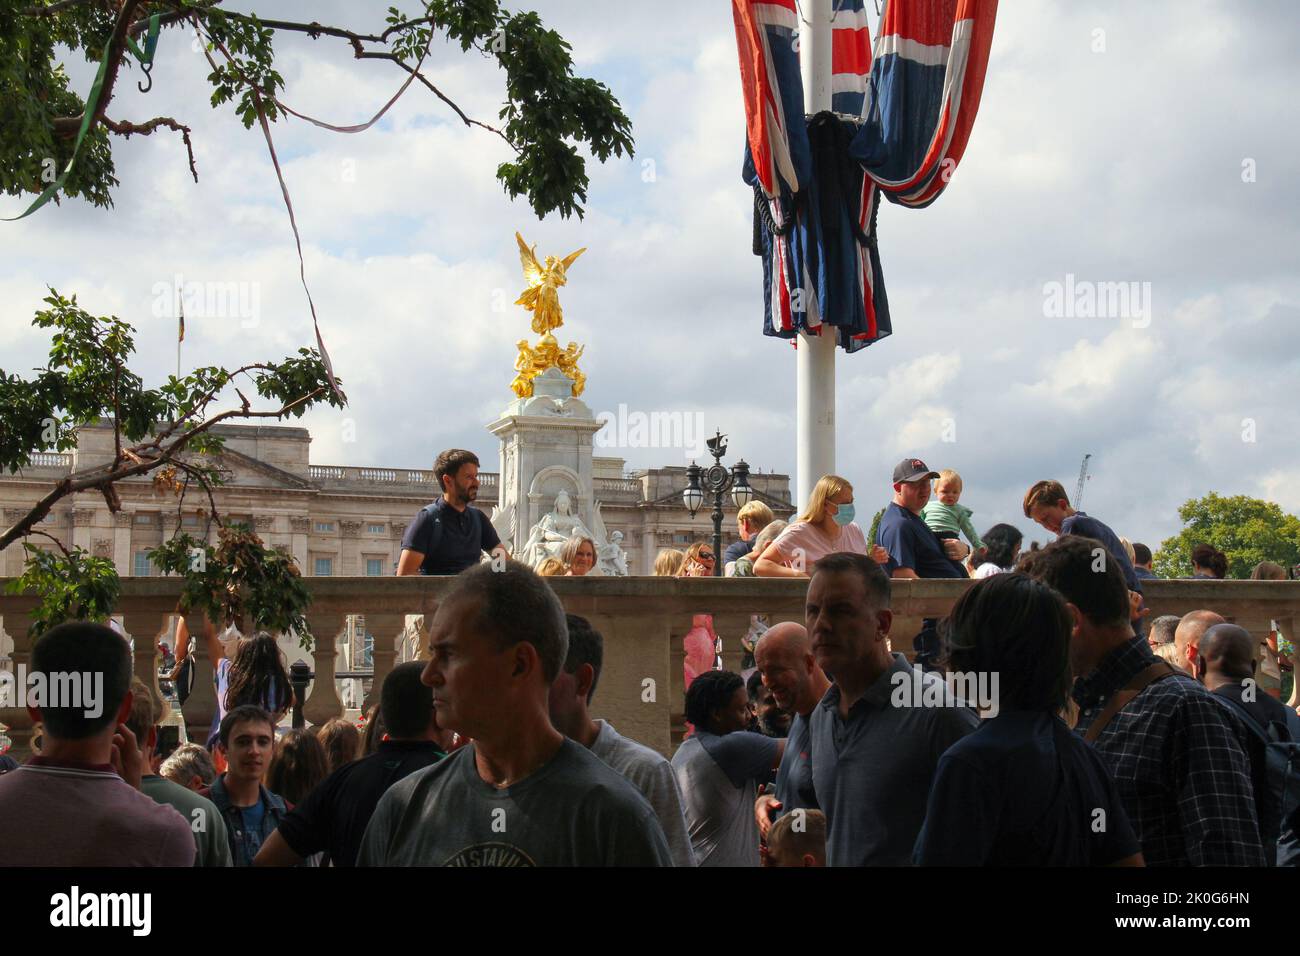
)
(924, 92)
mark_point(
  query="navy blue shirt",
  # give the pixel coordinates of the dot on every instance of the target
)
(737, 550)
(464, 537)
(872, 770)
(1143, 574)
(794, 778)
(1023, 790)
(911, 543)
(1084, 526)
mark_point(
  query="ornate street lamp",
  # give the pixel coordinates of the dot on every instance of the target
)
(716, 480)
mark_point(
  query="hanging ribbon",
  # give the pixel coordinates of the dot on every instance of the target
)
(284, 188)
(145, 57)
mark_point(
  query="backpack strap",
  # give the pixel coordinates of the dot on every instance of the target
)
(1157, 670)
(435, 517)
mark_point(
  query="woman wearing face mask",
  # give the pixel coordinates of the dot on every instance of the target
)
(825, 527)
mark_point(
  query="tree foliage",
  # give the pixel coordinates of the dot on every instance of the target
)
(71, 586)
(87, 379)
(239, 580)
(165, 432)
(547, 113)
(1247, 530)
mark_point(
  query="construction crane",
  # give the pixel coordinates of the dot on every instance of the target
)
(1083, 476)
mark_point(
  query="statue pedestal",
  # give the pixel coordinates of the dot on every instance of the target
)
(546, 444)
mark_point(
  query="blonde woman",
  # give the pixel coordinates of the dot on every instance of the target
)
(578, 555)
(698, 562)
(668, 562)
(825, 527)
(550, 567)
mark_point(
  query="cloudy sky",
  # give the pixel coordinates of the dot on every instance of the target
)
(1152, 143)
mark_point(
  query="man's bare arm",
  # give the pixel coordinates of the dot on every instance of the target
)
(409, 562)
(904, 573)
(276, 852)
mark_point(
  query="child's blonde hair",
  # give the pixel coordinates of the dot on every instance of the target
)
(786, 840)
(948, 475)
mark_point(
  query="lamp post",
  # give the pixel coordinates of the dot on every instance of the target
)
(716, 480)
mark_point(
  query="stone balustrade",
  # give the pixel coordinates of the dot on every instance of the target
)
(643, 620)
(335, 477)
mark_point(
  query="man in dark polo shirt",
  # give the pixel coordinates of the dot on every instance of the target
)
(449, 536)
(878, 733)
(915, 551)
(335, 813)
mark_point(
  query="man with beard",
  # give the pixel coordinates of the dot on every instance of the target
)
(449, 536)
(768, 717)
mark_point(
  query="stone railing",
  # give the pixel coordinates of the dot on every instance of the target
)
(614, 489)
(334, 476)
(643, 621)
(46, 459)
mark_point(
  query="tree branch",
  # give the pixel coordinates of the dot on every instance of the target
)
(67, 126)
(126, 128)
(438, 93)
(197, 475)
(53, 8)
(101, 477)
(46, 534)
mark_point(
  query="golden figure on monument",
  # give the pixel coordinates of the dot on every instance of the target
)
(542, 299)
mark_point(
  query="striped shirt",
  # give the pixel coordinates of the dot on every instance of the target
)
(1179, 762)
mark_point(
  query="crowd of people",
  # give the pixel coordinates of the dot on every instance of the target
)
(1043, 721)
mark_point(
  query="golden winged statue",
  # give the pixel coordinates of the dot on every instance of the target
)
(542, 297)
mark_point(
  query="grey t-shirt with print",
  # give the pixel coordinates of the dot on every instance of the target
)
(573, 811)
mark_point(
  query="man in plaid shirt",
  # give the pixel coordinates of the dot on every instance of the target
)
(1178, 756)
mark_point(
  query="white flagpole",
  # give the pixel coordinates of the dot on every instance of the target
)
(815, 356)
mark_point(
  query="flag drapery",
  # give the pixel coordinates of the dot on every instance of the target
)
(900, 120)
(924, 92)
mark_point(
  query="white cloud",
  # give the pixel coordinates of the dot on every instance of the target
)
(1098, 165)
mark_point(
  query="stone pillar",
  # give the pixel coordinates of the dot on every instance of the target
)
(387, 629)
(350, 549)
(201, 706)
(649, 551)
(83, 520)
(13, 712)
(122, 556)
(323, 703)
(300, 525)
(146, 627)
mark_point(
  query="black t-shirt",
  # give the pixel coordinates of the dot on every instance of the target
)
(335, 814)
(464, 537)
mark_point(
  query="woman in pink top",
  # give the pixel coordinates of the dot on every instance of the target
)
(825, 527)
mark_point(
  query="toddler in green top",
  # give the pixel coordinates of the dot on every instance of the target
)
(944, 515)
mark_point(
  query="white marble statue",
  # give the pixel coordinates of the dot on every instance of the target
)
(557, 526)
(611, 559)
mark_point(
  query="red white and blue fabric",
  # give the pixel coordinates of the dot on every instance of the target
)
(810, 221)
(926, 79)
(850, 56)
(778, 163)
(899, 124)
